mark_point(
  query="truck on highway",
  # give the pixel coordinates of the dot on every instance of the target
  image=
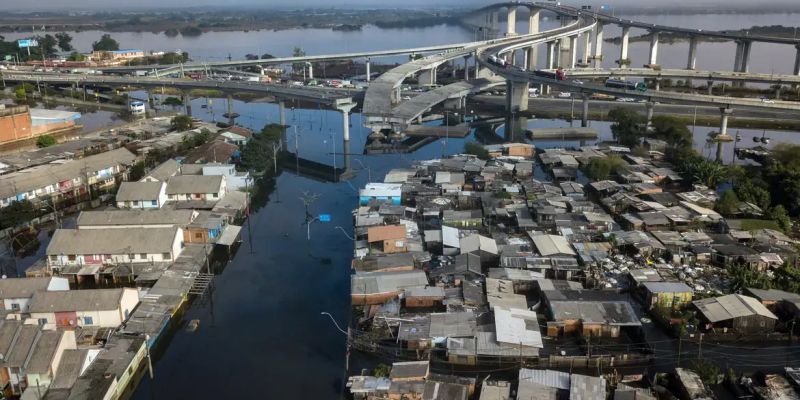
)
(627, 85)
(558, 74)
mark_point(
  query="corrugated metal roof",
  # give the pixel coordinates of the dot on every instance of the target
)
(548, 245)
(731, 306)
(515, 326)
(545, 377)
(584, 387)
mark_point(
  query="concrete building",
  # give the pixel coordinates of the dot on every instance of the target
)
(124, 219)
(16, 293)
(85, 247)
(234, 180)
(61, 180)
(237, 135)
(196, 187)
(89, 307)
(389, 192)
(162, 172)
(143, 195)
(45, 359)
(668, 295)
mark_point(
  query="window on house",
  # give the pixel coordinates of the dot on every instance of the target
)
(72, 257)
(53, 258)
(131, 256)
(15, 306)
(136, 202)
(166, 256)
(88, 321)
(42, 321)
(198, 235)
(153, 203)
(213, 195)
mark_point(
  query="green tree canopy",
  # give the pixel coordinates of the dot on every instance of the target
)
(728, 203)
(627, 127)
(106, 43)
(45, 141)
(600, 168)
(475, 148)
(64, 41)
(181, 123)
(16, 213)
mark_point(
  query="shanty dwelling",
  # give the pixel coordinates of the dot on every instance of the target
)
(410, 371)
(379, 287)
(388, 238)
(196, 187)
(16, 293)
(89, 307)
(588, 313)
(162, 172)
(414, 332)
(43, 362)
(735, 313)
(92, 248)
(141, 195)
(384, 192)
(426, 297)
(667, 295)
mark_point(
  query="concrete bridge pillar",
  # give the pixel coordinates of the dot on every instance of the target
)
(587, 47)
(737, 59)
(531, 57)
(654, 48)
(658, 84)
(282, 122)
(466, 67)
(477, 64)
(691, 63)
(231, 118)
(573, 52)
(533, 20)
(511, 21)
(585, 111)
(649, 106)
(623, 47)
(368, 71)
(796, 69)
(345, 110)
(551, 55)
(187, 103)
(494, 24)
(710, 87)
(516, 96)
(310, 70)
(598, 46)
(723, 130)
(427, 77)
(744, 64)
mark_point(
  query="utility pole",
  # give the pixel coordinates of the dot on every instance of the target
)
(680, 346)
(700, 347)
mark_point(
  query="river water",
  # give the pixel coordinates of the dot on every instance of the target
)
(263, 336)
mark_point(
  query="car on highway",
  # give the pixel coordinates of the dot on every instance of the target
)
(577, 82)
(767, 100)
(564, 95)
(626, 99)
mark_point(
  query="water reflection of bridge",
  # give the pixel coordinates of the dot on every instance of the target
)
(291, 163)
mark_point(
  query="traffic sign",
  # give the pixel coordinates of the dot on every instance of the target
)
(324, 218)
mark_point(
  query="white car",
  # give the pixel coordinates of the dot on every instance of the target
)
(767, 101)
(577, 82)
(564, 95)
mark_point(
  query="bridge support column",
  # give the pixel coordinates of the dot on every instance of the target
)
(368, 71)
(427, 77)
(551, 55)
(511, 21)
(691, 63)
(723, 130)
(533, 20)
(573, 52)
(494, 23)
(532, 58)
(585, 111)
(737, 59)
(477, 64)
(587, 47)
(453, 68)
(658, 84)
(231, 118)
(649, 106)
(516, 96)
(623, 47)
(187, 103)
(466, 68)
(710, 87)
(345, 110)
(598, 46)
(654, 48)
(796, 69)
(744, 63)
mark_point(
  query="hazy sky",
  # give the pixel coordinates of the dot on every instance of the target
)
(19, 5)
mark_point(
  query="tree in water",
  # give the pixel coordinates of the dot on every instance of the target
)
(106, 43)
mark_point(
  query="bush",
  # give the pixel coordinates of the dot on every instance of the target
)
(45, 141)
(476, 149)
(181, 123)
(173, 101)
